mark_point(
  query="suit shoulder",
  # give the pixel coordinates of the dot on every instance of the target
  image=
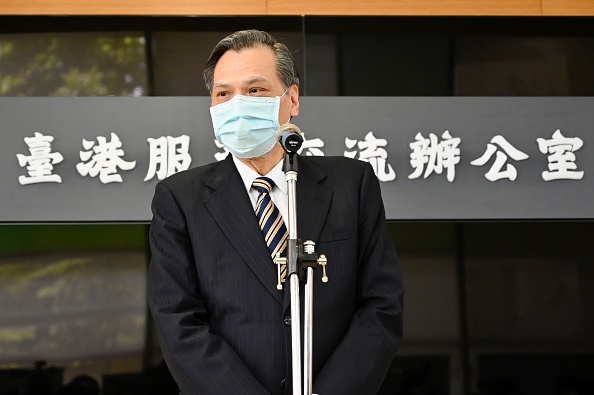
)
(194, 176)
(337, 165)
(335, 162)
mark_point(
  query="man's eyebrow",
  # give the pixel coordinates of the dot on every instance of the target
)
(245, 83)
(253, 80)
(221, 85)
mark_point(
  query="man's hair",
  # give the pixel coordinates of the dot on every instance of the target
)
(285, 66)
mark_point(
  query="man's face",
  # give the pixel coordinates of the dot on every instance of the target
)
(252, 72)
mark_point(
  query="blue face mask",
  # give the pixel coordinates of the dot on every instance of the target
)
(247, 125)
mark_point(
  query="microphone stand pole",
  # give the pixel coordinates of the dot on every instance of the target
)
(293, 270)
(299, 256)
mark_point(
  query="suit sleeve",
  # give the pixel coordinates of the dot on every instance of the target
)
(200, 361)
(360, 362)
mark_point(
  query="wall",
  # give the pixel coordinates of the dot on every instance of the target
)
(301, 7)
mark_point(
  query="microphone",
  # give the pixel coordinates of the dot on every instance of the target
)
(290, 138)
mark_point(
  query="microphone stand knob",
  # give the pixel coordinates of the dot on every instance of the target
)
(323, 262)
(279, 261)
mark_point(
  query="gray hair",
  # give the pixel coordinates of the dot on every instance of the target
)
(285, 65)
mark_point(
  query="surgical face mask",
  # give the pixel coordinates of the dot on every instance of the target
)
(247, 125)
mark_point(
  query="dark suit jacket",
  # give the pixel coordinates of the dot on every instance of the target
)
(224, 328)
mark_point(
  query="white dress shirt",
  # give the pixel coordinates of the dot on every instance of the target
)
(278, 193)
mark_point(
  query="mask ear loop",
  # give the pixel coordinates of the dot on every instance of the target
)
(286, 90)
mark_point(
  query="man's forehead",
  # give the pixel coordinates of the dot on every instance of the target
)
(245, 67)
(259, 55)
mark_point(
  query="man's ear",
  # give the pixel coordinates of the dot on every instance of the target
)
(294, 95)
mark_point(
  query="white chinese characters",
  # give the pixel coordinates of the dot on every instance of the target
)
(103, 159)
(219, 156)
(561, 157)
(168, 155)
(40, 162)
(371, 151)
(312, 147)
(432, 155)
(496, 173)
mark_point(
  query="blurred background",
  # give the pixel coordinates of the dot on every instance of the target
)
(492, 307)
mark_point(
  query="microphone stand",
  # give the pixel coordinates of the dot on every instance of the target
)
(293, 271)
(300, 256)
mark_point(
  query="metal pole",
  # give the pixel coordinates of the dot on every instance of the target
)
(295, 261)
(292, 271)
(308, 335)
(296, 334)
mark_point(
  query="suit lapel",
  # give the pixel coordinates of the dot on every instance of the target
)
(231, 208)
(313, 201)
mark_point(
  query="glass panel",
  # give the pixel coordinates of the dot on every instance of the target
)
(529, 300)
(74, 298)
(524, 66)
(73, 64)
(179, 58)
(394, 65)
(430, 355)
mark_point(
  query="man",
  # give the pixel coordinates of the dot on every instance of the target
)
(223, 325)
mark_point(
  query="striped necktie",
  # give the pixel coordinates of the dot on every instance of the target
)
(270, 219)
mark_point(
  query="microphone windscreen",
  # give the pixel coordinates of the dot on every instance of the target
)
(288, 127)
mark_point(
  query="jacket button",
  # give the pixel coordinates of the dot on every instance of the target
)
(287, 320)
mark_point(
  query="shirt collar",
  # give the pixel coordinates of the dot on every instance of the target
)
(248, 175)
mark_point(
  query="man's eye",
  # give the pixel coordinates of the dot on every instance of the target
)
(255, 90)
